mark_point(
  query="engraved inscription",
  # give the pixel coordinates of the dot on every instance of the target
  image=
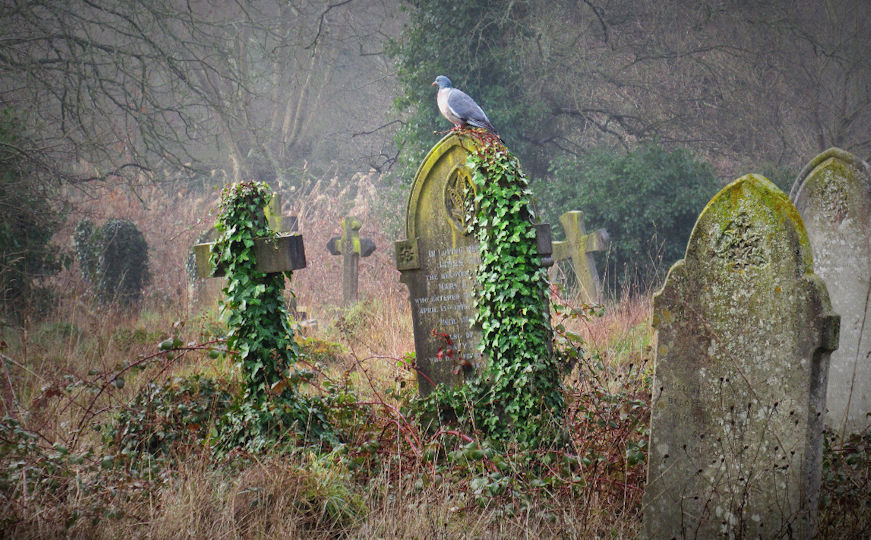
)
(448, 306)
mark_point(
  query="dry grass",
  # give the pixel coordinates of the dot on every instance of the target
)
(63, 375)
(61, 378)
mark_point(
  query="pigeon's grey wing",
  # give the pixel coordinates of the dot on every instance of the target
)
(465, 108)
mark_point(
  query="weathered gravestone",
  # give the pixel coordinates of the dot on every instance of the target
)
(833, 196)
(438, 262)
(283, 253)
(744, 331)
(198, 266)
(351, 247)
(579, 248)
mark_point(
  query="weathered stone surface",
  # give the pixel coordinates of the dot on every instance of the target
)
(351, 247)
(439, 261)
(744, 331)
(273, 255)
(277, 221)
(833, 196)
(579, 248)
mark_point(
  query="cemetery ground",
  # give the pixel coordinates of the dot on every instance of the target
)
(112, 432)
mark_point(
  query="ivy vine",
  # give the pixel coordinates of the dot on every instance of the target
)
(260, 335)
(519, 394)
(253, 307)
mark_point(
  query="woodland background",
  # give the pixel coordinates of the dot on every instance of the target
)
(635, 112)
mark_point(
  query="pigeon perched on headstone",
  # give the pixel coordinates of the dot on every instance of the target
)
(459, 108)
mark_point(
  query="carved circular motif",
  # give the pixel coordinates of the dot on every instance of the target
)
(460, 198)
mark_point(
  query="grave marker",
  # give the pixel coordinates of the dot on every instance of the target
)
(833, 196)
(579, 247)
(438, 262)
(351, 247)
(283, 253)
(197, 288)
(744, 331)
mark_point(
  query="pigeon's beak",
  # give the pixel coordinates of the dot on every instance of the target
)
(434, 83)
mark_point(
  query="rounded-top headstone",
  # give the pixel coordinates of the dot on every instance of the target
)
(833, 196)
(743, 329)
(438, 262)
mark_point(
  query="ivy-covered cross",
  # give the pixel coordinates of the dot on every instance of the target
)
(283, 253)
(579, 247)
(351, 247)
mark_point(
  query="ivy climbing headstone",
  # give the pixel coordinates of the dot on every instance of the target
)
(438, 262)
(202, 292)
(833, 196)
(744, 332)
(256, 262)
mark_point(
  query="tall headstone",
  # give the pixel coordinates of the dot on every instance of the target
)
(833, 196)
(579, 248)
(438, 262)
(351, 247)
(744, 332)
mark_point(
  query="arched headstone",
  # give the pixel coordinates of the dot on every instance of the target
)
(744, 330)
(833, 196)
(439, 261)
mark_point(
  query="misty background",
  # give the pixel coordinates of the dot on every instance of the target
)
(634, 112)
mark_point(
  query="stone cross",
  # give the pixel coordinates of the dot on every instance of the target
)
(351, 247)
(833, 196)
(438, 262)
(283, 253)
(579, 247)
(744, 329)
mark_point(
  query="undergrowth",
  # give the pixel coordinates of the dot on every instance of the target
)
(131, 428)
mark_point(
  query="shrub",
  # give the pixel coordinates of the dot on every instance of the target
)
(163, 417)
(113, 260)
(28, 224)
(647, 199)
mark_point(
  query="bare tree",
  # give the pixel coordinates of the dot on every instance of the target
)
(744, 83)
(108, 88)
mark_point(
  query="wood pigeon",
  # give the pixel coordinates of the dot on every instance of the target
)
(459, 108)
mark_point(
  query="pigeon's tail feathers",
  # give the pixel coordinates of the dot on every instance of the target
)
(483, 124)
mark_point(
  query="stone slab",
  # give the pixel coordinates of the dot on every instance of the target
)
(744, 332)
(833, 196)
